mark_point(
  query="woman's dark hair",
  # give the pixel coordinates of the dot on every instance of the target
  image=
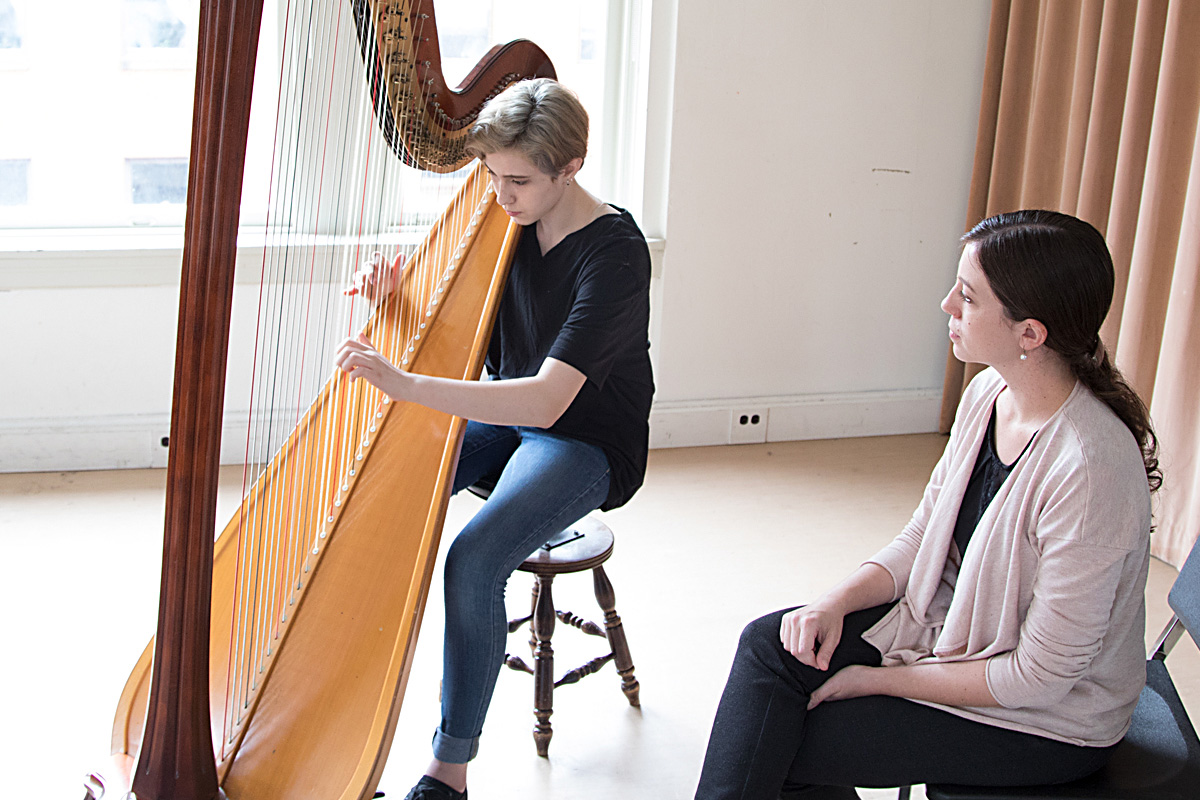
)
(1056, 269)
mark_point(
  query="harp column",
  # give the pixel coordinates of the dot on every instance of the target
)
(176, 760)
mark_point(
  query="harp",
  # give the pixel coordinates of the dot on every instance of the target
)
(282, 650)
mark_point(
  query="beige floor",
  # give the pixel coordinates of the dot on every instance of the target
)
(716, 537)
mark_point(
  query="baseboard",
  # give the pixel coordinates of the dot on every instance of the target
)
(783, 419)
(136, 442)
(126, 442)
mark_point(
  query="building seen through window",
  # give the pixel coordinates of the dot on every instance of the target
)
(154, 23)
(464, 34)
(158, 180)
(14, 182)
(10, 30)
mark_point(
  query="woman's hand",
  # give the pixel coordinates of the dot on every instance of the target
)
(376, 279)
(812, 633)
(852, 681)
(358, 358)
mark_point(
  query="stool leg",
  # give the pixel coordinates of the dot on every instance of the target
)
(532, 614)
(543, 665)
(616, 635)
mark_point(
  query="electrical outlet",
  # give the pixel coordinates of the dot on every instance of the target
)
(748, 425)
(159, 444)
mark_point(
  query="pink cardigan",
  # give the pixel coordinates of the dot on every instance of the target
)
(1052, 590)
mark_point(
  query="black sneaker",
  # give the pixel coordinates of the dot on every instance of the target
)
(432, 789)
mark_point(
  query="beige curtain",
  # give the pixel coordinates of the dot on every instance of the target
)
(1090, 107)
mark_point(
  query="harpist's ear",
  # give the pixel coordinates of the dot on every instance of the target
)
(568, 172)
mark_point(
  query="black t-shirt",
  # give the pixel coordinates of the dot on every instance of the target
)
(987, 477)
(587, 303)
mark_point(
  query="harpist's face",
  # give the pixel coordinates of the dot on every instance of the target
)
(980, 330)
(524, 191)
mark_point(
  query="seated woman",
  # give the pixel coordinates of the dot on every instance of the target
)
(564, 427)
(999, 639)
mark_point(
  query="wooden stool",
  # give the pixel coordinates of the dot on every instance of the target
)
(585, 545)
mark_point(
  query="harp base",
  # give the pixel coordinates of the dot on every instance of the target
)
(113, 782)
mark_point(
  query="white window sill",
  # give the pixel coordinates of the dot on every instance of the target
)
(112, 257)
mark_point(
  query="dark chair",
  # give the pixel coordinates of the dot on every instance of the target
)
(1159, 758)
(586, 545)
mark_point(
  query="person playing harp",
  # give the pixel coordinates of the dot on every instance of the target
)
(562, 427)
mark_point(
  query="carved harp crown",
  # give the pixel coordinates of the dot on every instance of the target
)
(282, 651)
(425, 121)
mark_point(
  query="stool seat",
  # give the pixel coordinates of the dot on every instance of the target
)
(585, 545)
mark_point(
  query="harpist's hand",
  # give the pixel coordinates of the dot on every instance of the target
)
(848, 682)
(811, 633)
(358, 358)
(376, 279)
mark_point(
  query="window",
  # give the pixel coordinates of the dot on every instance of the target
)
(14, 182)
(119, 163)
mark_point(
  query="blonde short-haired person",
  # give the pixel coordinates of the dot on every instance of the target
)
(562, 428)
(999, 639)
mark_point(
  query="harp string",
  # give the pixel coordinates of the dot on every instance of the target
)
(336, 195)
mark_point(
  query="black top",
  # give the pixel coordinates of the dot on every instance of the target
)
(587, 303)
(986, 479)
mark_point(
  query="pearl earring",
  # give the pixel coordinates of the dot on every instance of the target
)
(1024, 355)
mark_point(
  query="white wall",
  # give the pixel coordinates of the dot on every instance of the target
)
(819, 167)
(816, 182)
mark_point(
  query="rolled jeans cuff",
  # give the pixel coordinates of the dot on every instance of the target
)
(452, 750)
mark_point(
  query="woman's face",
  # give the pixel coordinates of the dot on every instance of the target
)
(523, 190)
(980, 330)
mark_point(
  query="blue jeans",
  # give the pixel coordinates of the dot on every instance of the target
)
(544, 483)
